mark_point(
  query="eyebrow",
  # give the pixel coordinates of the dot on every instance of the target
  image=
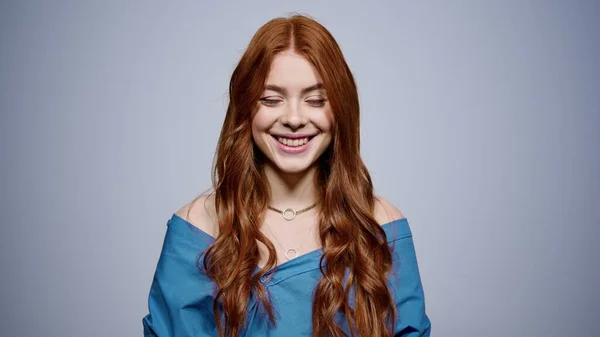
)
(284, 91)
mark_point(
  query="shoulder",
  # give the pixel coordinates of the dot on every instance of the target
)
(385, 212)
(201, 213)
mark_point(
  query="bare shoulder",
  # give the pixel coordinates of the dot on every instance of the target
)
(201, 213)
(386, 212)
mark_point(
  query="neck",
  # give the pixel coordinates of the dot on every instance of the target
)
(295, 190)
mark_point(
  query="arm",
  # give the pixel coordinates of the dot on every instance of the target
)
(181, 296)
(158, 321)
(404, 280)
(408, 291)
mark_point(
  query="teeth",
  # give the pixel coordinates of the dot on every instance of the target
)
(292, 142)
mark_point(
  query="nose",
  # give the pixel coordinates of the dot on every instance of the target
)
(293, 116)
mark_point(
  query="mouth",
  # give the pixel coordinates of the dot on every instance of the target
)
(293, 141)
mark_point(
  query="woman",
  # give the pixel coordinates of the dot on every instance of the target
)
(292, 242)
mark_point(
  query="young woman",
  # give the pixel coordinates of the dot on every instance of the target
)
(292, 242)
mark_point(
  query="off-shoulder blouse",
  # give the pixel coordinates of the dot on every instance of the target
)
(181, 295)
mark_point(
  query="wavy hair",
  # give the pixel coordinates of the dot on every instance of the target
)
(355, 251)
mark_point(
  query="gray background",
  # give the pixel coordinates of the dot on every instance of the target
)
(481, 122)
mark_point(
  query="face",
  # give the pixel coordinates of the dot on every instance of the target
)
(292, 126)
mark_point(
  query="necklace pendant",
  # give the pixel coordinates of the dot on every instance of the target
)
(289, 213)
(286, 214)
(291, 251)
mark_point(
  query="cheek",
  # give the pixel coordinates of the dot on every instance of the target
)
(257, 124)
(328, 140)
(329, 126)
(326, 121)
(260, 125)
(326, 124)
(261, 121)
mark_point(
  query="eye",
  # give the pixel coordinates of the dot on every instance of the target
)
(270, 102)
(317, 102)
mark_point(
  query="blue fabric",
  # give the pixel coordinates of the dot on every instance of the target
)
(181, 296)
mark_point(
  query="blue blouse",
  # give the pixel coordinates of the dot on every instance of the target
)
(181, 296)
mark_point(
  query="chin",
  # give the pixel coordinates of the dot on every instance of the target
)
(293, 169)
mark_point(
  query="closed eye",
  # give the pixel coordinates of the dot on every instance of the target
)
(317, 102)
(312, 102)
(270, 102)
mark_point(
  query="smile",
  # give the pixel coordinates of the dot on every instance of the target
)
(293, 142)
(293, 145)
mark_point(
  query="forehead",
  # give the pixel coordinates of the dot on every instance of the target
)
(292, 71)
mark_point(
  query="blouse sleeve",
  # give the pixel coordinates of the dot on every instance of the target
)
(407, 289)
(181, 295)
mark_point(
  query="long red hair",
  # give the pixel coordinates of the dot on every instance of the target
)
(353, 242)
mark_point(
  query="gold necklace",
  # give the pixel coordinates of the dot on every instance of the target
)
(291, 250)
(285, 213)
